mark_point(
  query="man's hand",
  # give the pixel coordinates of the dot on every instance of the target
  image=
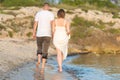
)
(34, 36)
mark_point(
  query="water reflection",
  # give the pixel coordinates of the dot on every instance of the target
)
(39, 74)
(58, 76)
(50, 74)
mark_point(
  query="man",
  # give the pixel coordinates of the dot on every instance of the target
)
(42, 25)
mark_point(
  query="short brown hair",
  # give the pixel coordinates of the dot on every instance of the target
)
(46, 4)
(61, 13)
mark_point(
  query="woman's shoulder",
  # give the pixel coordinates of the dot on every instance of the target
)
(64, 20)
(67, 20)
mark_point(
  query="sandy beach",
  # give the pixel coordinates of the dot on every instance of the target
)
(15, 52)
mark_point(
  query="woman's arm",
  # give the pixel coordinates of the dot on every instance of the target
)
(68, 28)
(53, 28)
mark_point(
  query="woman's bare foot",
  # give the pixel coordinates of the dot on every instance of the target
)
(60, 69)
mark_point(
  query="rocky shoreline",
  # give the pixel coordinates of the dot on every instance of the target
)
(18, 22)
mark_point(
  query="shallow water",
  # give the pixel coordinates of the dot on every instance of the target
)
(79, 67)
(31, 72)
(92, 67)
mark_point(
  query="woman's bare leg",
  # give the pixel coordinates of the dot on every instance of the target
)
(59, 59)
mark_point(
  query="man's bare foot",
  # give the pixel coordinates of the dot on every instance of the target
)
(42, 70)
(37, 64)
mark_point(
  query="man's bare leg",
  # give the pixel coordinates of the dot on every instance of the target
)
(39, 59)
(43, 64)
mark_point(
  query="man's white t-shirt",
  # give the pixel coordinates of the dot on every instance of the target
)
(44, 18)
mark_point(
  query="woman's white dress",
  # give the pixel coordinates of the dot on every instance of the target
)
(60, 40)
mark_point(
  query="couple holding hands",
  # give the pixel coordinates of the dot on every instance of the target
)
(45, 28)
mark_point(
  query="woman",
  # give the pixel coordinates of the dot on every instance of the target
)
(61, 32)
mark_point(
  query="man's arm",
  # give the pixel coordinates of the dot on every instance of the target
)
(34, 29)
(53, 28)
